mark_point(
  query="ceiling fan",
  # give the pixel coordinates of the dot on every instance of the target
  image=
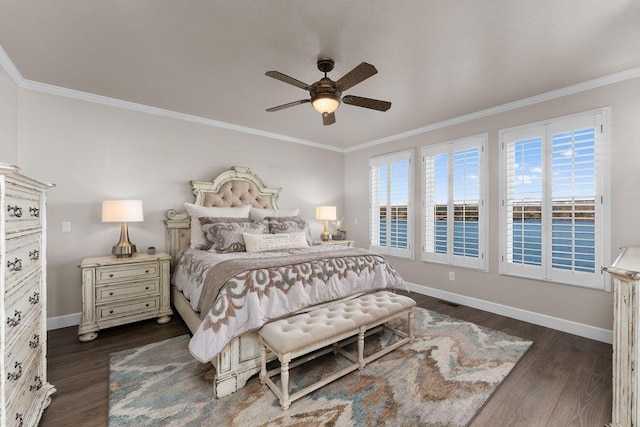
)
(326, 94)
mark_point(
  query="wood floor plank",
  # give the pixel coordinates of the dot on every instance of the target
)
(563, 380)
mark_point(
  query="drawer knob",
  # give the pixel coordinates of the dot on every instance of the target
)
(37, 384)
(110, 293)
(17, 210)
(34, 255)
(35, 342)
(110, 311)
(34, 212)
(15, 265)
(15, 375)
(35, 298)
(146, 271)
(146, 288)
(15, 321)
(111, 275)
(19, 419)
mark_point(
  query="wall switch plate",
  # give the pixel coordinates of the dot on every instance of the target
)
(452, 275)
(66, 226)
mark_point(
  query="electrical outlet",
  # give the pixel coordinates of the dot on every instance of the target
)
(66, 226)
(355, 221)
(452, 275)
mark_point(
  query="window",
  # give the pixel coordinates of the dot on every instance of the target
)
(454, 202)
(391, 216)
(554, 204)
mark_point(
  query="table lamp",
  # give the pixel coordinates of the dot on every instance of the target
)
(326, 213)
(122, 211)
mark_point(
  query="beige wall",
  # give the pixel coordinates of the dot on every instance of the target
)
(8, 119)
(585, 306)
(94, 152)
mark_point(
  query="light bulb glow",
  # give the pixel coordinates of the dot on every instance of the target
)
(326, 103)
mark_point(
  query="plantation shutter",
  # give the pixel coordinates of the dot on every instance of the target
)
(454, 220)
(552, 213)
(391, 223)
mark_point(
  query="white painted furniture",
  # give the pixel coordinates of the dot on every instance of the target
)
(347, 243)
(320, 332)
(117, 291)
(625, 272)
(25, 391)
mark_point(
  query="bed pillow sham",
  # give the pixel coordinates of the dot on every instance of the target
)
(291, 224)
(228, 236)
(198, 240)
(257, 214)
(268, 242)
(212, 231)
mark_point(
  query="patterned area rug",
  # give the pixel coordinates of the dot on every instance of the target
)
(442, 379)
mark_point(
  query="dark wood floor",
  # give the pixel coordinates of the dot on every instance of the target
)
(563, 380)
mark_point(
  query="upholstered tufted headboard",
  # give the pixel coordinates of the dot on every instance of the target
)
(235, 187)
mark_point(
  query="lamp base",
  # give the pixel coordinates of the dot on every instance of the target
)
(124, 248)
(122, 251)
(325, 237)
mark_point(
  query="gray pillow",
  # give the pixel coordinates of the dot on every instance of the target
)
(226, 236)
(290, 224)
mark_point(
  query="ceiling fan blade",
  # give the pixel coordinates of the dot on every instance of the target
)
(328, 118)
(355, 76)
(290, 104)
(284, 78)
(374, 104)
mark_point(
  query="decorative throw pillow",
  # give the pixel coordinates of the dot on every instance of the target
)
(267, 242)
(291, 224)
(227, 236)
(198, 241)
(211, 230)
(257, 214)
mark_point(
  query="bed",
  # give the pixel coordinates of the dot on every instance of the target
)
(224, 321)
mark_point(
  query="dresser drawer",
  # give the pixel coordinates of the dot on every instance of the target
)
(20, 310)
(26, 341)
(23, 394)
(22, 207)
(118, 273)
(23, 375)
(136, 307)
(127, 290)
(23, 256)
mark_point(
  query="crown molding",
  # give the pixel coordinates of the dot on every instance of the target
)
(554, 94)
(16, 76)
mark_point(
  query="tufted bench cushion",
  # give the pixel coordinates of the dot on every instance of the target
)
(314, 330)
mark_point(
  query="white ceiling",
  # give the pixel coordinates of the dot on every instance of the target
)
(436, 60)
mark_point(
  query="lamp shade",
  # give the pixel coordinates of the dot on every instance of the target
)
(325, 103)
(326, 213)
(122, 211)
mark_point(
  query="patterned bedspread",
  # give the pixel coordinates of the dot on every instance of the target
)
(274, 285)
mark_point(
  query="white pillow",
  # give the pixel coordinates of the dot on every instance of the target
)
(258, 214)
(198, 240)
(267, 242)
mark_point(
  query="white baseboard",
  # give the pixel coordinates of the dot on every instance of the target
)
(575, 328)
(63, 321)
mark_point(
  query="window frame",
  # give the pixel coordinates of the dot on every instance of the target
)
(450, 147)
(388, 159)
(601, 119)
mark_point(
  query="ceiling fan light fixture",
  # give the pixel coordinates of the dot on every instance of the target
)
(326, 103)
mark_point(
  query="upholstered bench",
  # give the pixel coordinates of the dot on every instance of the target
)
(319, 332)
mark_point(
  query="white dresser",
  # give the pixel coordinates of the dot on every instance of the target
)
(23, 333)
(625, 272)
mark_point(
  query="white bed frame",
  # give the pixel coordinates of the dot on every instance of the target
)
(240, 359)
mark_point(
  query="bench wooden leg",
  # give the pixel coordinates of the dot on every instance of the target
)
(285, 402)
(263, 361)
(361, 348)
(412, 338)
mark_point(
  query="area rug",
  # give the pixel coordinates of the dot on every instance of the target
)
(444, 378)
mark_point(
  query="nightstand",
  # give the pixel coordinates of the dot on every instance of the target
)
(117, 291)
(348, 243)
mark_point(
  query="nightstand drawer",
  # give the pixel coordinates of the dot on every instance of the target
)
(132, 308)
(127, 290)
(126, 272)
